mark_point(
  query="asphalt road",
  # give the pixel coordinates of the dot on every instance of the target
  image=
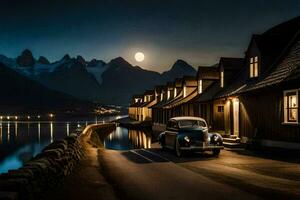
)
(156, 174)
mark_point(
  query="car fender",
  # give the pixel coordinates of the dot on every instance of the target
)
(161, 138)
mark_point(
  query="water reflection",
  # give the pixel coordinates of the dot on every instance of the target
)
(140, 139)
(68, 129)
(21, 140)
(51, 132)
(126, 139)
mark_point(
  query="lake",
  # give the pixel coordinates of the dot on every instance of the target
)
(22, 140)
(125, 139)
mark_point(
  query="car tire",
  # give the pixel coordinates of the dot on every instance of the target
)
(216, 152)
(177, 150)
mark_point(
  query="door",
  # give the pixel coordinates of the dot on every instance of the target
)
(236, 116)
(227, 123)
(171, 133)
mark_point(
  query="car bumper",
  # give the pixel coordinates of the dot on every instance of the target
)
(200, 148)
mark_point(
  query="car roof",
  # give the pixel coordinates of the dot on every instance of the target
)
(187, 118)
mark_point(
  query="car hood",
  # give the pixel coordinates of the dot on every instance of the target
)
(192, 129)
(194, 133)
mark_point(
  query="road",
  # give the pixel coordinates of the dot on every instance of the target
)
(157, 174)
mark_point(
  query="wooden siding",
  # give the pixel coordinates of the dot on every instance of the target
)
(218, 117)
(261, 117)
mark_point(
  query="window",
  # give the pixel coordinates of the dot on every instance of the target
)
(253, 67)
(169, 94)
(191, 123)
(175, 92)
(291, 106)
(184, 91)
(222, 78)
(220, 109)
(172, 125)
(200, 86)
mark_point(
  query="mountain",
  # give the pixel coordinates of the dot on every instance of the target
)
(25, 59)
(180, 67)
(121, 80)
(95, 80)
(72, 77)
(96, 68)
(20, 94)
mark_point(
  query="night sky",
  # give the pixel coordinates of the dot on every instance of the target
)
(196, 31)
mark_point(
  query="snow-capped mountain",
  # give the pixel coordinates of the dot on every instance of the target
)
(110, 83)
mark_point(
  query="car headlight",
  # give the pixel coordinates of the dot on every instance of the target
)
(187, 139)
(215, 138)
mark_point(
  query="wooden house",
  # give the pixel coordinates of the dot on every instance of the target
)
(145, 108)
(266, 91)
(133, 110)
(178, 106)
(215, 110)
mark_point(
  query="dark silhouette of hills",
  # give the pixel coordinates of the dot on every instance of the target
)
(72, 77)
(95, 80)
(19, 93)
(121, 79)
(179, 67)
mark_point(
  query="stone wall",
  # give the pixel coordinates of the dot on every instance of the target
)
(44, 172)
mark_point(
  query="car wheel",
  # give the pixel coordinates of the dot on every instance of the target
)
(177, 149)
(216, 152)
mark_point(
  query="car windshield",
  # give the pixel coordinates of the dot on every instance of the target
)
(191, 123)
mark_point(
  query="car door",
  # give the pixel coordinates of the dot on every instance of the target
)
(171, 133)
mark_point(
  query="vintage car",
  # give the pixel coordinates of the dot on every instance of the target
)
(190, 134)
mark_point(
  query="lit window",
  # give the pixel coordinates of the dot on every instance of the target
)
(222, 78)
(175, 92)
(184, 91)
(220, 109)
(254, 67)
(291, 106)
(200, 86)
(169, 94)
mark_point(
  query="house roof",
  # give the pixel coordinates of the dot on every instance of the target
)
(281, 45)
(231, 64)
(274, 40)
(159, 104)
(208, 73)
(208, 94)
(147, 104)
(232, 67)
(180, 101)
(288, 68)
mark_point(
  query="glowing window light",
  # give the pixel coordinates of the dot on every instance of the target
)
(222, 78)
(200, 86)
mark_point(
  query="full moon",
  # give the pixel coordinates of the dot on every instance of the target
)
(139, 56)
